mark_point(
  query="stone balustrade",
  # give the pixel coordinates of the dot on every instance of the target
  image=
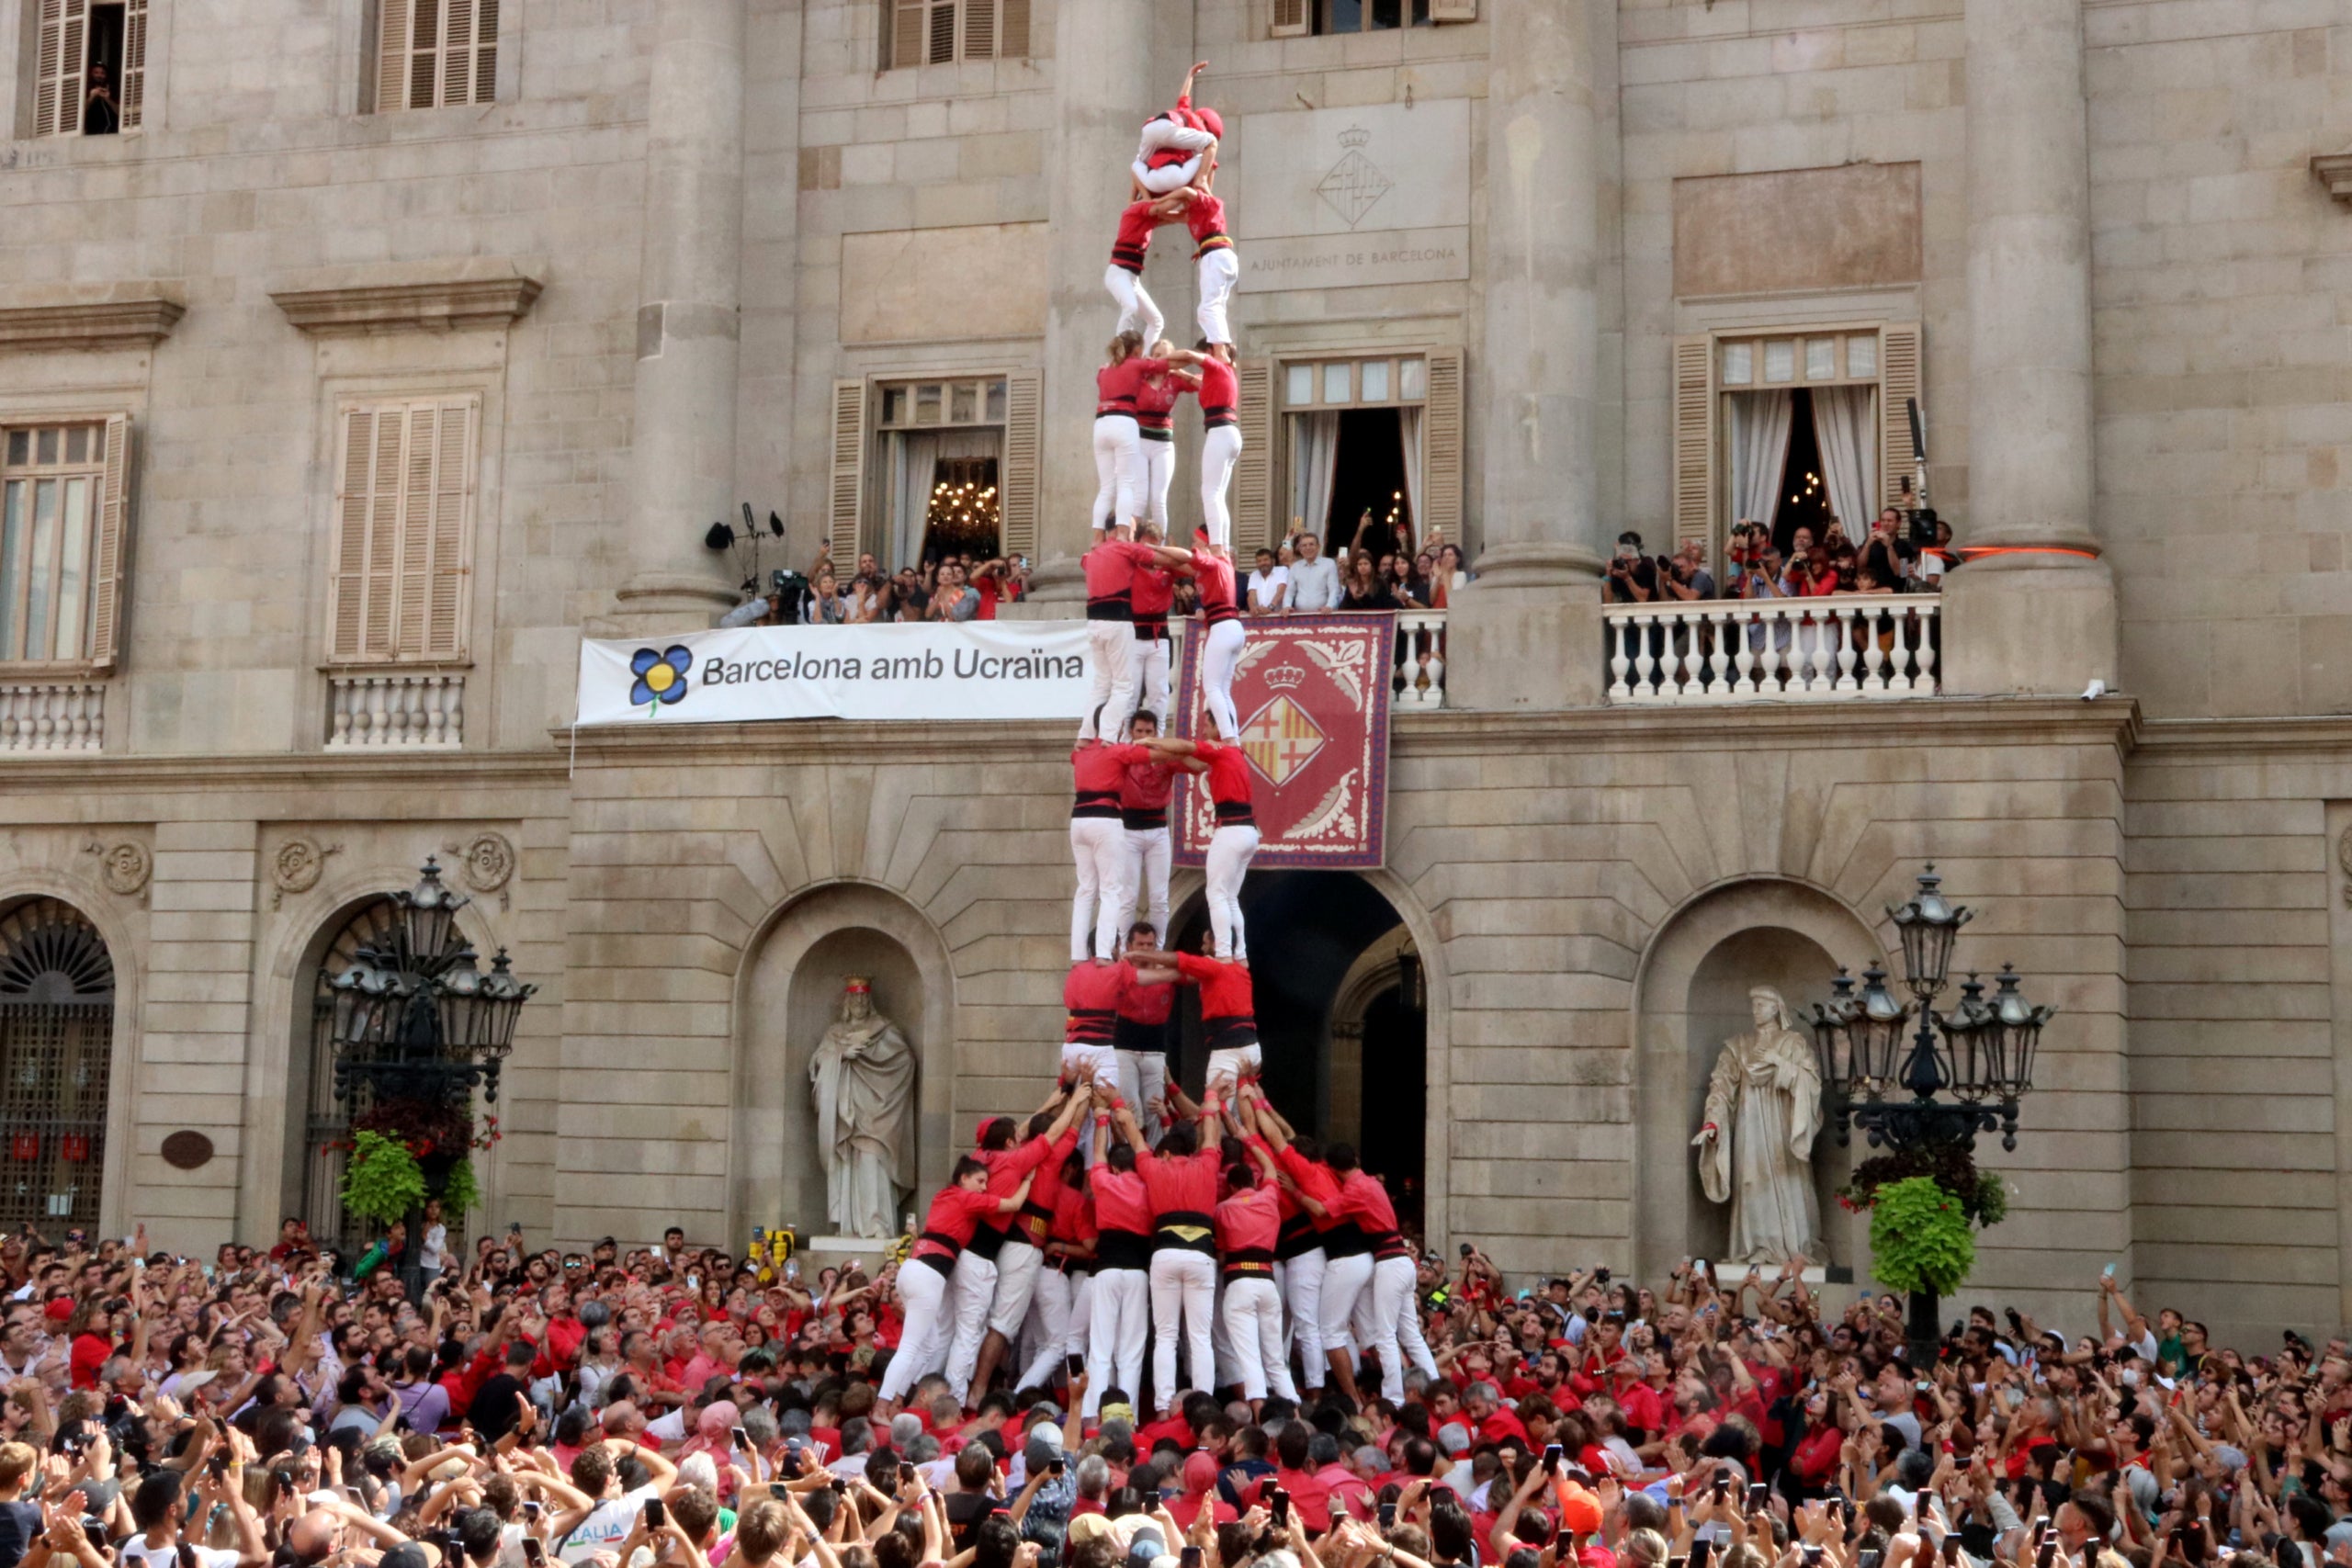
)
(396, 711)
(1745, 651)
(63, 716)
(1420, 661)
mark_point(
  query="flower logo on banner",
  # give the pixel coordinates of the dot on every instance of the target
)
(661, 678)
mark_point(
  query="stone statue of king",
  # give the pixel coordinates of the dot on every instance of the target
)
(1755, 1144)
(863, 1076)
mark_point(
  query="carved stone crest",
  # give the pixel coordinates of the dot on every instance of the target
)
(297, 867)
(2344, 859)
(486, 861)
(123, 868)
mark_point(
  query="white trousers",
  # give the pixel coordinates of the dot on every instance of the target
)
(1143, 1080)
(1378, 1310)
(1160, 472)
(1137, 311)
(1303, 1284)
(973, 1292)
(923, 1337)
(1119, 1323)
(1230, 849)
(1152, 689)
(1118, 470)
(1171, 177)
(1217, 273)
(1183, 1287)
(1097, 1065)
(1057, 1306)
(1229, 1066)
(1111, 655)
(1220, 449)
(1098, 847)
(1220, 652)
(1148, 854)
(1253, 1319)
(1345, 1281)
(1016, 1276)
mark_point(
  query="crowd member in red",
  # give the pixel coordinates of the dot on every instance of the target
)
(956, 1212)
(1317, 1194)
(1386, 1318)
(1121, 1318)
(1012, 1160)
(1248, 1224)
(1199, 1492)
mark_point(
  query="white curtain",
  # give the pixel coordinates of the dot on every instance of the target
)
(1846, 431)
(1314, 459)
(1760, 452)
(915, 457)
(1408, 429)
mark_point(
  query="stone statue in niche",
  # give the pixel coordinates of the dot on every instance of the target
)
(1756, 1142)
(863, 1078)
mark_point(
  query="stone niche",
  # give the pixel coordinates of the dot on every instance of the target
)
(1794, 231)
(789, 995)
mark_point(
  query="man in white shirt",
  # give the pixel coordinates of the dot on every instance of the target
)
(1313, 580)
(1268, 586)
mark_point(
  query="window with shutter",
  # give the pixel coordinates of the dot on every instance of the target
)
(1694, 440)
(1012, 29)
(1024, 411)
(64, 521)
(979, 29)
(1253, 472)
(1898, 381)
(60, 51)
(1293, 19)
(134, 64)
(1442, 461)
(435, 54)
(404, 520)
(936, 32)
(849, 470)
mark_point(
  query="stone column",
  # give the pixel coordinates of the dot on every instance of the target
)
(1526, 635)
(689, 320)
(2040, 616)
(1103, 91)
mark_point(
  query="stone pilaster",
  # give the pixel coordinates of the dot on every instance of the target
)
(2038, 616)
(689, 318)
(1527, 632)
(1104, 89)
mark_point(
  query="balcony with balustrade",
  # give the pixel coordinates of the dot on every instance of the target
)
(1846, 647)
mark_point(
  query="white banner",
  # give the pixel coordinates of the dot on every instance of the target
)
(970, 670)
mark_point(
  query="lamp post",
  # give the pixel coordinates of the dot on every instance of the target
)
(418, 1023)
(1981, 1053)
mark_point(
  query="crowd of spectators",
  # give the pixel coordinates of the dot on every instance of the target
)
(948, 587)
(1888, 562)
(1380, 570)
(684, 1406)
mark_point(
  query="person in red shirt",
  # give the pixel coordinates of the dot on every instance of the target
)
(1139, 317)
(1156, 402)
(1065, 1294)
(1317, 1191)
(1110, 568)
(1140, 1032)
(1233, 844)
(1248, 1223)
(1154, 596)
(956, 1212)
(1104, 900)
(1216, 268)
(1222, 641)
(1200, 1491)
(1179, 145)
(1121, 1316)
(1181, 1179)
(1220, 395)
(1021, 1257)
(1144, 796)
(1228, 1018)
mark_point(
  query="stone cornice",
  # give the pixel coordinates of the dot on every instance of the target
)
(2195, 740)
(2334, 170)
(451, 297)
(135, 316)
(25, 774)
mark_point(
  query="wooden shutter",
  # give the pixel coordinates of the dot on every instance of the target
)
(62, 49)
(404, 502)
(1453, 10)
(1441, 458)
(1012, 29)
(849, 470)
(1018, 483)
(1293, 19)
(134, 64)
(1694, 440)
(110, 558)
(393, 18)
(907, 32)
(485, 51)
(367, 505)
(941, 45)
(1898, 381)
(1253, 472)
(437, 501)
(979, 29)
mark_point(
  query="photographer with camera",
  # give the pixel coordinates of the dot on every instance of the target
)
(1633, 576)
(782, 605)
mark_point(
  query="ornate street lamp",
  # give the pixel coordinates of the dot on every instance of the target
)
(1981, 1055)
(416, 1021)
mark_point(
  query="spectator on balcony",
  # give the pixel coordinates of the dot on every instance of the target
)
(1686, 578)
(996, 582)
(1883, 558)
(1268, 586)
(825, 608)
(953, 599)
(1366, 590)
(1935, 559)
(1450, 575)
(1314, 579)
(1633, 576)
(1406, 581)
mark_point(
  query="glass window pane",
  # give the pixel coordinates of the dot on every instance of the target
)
(42, 568)
(1780, 359)
(1861, 354)
(1820, 358)
(1387, 14)
(929, 399)
(894, 405)
(1301, 389)
(996, 403)
(1347, 16)
(965, 408)
(45, 448)
(1740, 364)
(21, 446)
(12, 561)
(77, 444)
(1336, 382)
(1413, 379)
(1421, 12)
(72, 574)
(1375, 381)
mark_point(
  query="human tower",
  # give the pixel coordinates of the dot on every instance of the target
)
(1122, 1212)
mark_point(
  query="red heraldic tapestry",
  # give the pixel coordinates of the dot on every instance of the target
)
(1311, 692)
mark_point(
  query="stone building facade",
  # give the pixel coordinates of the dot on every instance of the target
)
(385, 348)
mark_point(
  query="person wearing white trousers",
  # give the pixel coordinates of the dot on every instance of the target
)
(1183, 1300)
(1231, 846)
(1379, 1322)
(1248, 1224)
(1175, 145)
(1120, 473)
(1220, 395)
(925, 1284)
(1144, 798)
(1141, 1032)
(1062, 1307)
(1119, 1317)
(1102, 900)
(1221, 647)
(1302, 1279)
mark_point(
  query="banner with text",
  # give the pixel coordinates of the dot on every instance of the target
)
(970, 670)
(1311, 694)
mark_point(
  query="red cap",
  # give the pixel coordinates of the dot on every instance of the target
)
(1213, 123)
(60, 1308)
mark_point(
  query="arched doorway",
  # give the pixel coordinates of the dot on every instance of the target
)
(56, 1057)
(318, 1129)
(1342, 1016)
